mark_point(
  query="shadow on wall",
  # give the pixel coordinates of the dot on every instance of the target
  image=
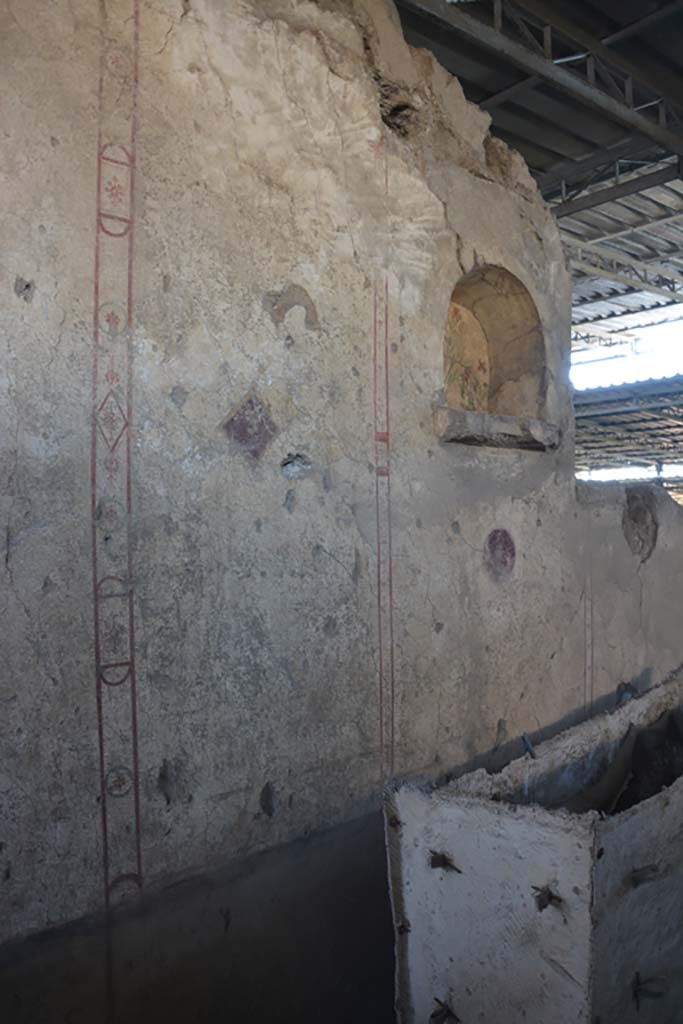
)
(301, 933)
(296, 934)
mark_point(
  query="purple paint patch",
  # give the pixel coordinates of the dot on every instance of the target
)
(499, 554)
(251, 427)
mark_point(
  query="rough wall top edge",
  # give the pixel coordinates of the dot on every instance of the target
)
(596, 736)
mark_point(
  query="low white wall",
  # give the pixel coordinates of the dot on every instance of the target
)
(506, 911)
(638, 913)
(474, 938)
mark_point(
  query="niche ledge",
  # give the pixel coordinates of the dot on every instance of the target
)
(485, 429)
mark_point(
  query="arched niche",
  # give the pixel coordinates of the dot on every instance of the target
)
(494, 365)
(494, 355)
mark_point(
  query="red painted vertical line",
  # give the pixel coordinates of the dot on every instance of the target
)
(380, 643)
(385, 591)
(129, 408)
(111, 461)
(110, 470)
(592, 649)
(390, 556)
(390, 575)
(588, 622)
(585, 645)
(93, 485)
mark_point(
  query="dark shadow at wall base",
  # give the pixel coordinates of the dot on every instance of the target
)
(300, 933)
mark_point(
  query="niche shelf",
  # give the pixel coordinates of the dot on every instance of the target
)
(494, 366)
(463, 426)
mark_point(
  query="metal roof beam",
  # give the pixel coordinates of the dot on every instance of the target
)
(662, 82)
(533, 63)
(505, 95)
(619, 332)
(668, 260)
(614, 37)
(598, 339)
(632, 272)
(648, 222)
(588, 412)
(625, 188)
(560, 140)
(613, 297)
(636, 27)
(630, 312)
(574, 171)
(590, 270)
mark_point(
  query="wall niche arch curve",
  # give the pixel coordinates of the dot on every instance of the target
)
(494, 349)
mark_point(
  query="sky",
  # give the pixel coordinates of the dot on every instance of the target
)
(657, 352)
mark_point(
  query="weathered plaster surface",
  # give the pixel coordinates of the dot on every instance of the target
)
(275, 212)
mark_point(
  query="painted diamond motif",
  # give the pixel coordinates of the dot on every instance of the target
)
(111, 420)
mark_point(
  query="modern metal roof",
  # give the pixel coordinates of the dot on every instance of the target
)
(631, 425)
(590, 92)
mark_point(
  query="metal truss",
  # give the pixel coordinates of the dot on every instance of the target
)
(633, 185)
(636, 275)
(622, 91)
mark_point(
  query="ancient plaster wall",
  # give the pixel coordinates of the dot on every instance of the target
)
(321, 593)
